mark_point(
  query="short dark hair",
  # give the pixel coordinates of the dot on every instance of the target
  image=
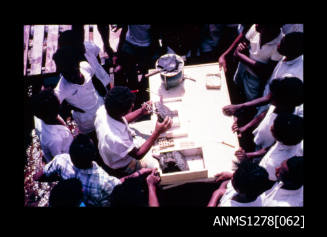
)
(70, 38)
(67, 59)
(67, 193)
(45, 105)
(82, 151)
(295, 174)
(133, 192)
(288, 90)
(250, 178)
(119, 100)
(292, 44)
(288, 129)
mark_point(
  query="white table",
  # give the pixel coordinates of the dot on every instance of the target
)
(201, 116)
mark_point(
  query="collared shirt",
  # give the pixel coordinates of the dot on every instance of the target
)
(279, 197)
(115, 139)
(97, 184)
(226, 200)
(262, 134)
(293, 68)
(82, 96)
(54, 139)
(266, 52)
(275, 156)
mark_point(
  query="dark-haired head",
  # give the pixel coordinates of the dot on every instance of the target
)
(287, 91)
(291, 172)
(249, 178)
(268, 28)
(288, 129)
(67, 61)
(132, 192)
(119, 101)
(82, 152)
(45, 105)
(67, 193)
(291, 45)
(70, 38)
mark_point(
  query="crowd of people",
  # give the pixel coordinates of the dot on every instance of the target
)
(108, 164)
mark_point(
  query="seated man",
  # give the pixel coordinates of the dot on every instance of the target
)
(288, 191)
(116, 145)
(54, 135)
(288, 132)
(247, 182)
(79, 163)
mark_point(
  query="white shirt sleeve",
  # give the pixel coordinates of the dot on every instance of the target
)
(276, 56)
(250, 33)
(62, 91)
(52, 167)
(91, 53)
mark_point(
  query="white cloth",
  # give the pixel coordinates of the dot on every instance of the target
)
(293, 68)
(83, 96)
(279, 197)
(91, 53)
(263, 54)
(54, 139)
(226, 200)
(115, 140)
(262, 134)
(288, 28)
(139, 35)
(275, 156)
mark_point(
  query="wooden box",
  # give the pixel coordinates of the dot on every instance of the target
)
(196, 165)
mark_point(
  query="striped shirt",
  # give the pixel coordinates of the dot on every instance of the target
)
(97, 184)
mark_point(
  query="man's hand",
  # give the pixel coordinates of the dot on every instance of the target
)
(153, 178)
(146, 108)
(114, 60)
(164, 126)
(222, 62)
(241, 154)
(223, 176)
(230, 110)
(145, 171)
(241, 48)
(238, 130)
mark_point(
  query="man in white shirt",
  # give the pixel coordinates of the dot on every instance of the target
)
(288, 191)
(253, 70)
(286, 96)
(247, 182)
(116, 143)
(76, 87)
(291, 47)
(54, 135)
(288, 132)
